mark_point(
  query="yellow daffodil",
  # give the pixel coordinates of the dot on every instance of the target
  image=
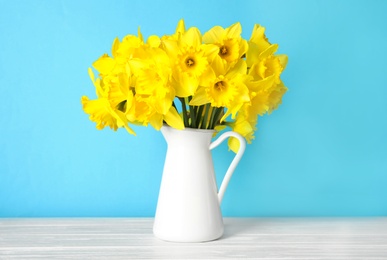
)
(127, 49)
(153, 78)
(275, 96)
(268, 65)
(246, 120)
(105, 65)
(265, 67)
(100, 109)
(225, 88)
(257, 44)
(230, 45)
(266, 74)
(188, 56)
(221, 80)
(153, 89)
(261, 58)
(245, 128)
(100, 112)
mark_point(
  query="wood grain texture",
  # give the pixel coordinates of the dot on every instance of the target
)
(244, 238)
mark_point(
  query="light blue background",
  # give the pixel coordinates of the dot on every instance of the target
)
(323, 153)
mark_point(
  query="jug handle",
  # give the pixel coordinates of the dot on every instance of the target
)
(235, 161)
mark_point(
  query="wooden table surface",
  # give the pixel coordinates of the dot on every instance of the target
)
(244, 238)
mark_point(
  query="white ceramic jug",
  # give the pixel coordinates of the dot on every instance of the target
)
(188, 208)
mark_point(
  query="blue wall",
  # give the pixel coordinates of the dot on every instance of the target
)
(323, 153)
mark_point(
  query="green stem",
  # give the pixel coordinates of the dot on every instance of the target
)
(204, 121)
(216, 117)
(221, 114)
(214, 110)
(199, 115)
(193, 116)
(192, 113)
(185, 116)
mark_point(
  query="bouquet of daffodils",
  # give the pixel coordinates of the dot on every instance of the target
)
(210, 81)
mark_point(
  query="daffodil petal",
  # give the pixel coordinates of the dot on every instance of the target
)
(185, 85)
(200, 98)
(234, 30)
(240, 68)
(156, 121)
(219, 65)
(154, 41)
(173, 119)
(140, 34)
(104, 64)
(115, 46)
(258, 37)
(192, 37)
(283, 60)
(180, 29)
(269, 51)
(215, 34)
(91, 74)
(122, 121)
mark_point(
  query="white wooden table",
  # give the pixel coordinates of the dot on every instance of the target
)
(244, 238)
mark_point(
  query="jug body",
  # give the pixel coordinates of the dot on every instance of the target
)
(188, 208)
